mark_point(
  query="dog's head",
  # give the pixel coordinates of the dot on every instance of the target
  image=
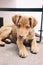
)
(24, 24)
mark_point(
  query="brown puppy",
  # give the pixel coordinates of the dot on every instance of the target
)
(23, 30)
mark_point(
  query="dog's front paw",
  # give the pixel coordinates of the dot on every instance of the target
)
(23, 52)
(34, 50)
(2, 44)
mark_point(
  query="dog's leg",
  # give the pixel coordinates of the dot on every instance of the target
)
(21, 47)
(34, 46)
(4, 32)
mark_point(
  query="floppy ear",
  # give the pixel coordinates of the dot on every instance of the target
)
(14, 19)
(34, 22)
(30, 22)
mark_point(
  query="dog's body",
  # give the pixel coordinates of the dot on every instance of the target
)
(20, 31)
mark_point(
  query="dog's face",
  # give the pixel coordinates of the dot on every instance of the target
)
(24, 25)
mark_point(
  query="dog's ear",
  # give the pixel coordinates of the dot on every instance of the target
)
(32, 21)
(16, 19)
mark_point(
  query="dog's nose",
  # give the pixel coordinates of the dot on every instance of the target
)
(21, 36)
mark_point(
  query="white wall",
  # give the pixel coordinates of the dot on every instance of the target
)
(28, 3)
(21, 3)
(7, 3)
(7, 17)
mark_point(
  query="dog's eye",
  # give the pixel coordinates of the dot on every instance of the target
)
(27, 27)
(19, 25)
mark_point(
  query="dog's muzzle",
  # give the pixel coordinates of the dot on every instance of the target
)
(20, 36)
